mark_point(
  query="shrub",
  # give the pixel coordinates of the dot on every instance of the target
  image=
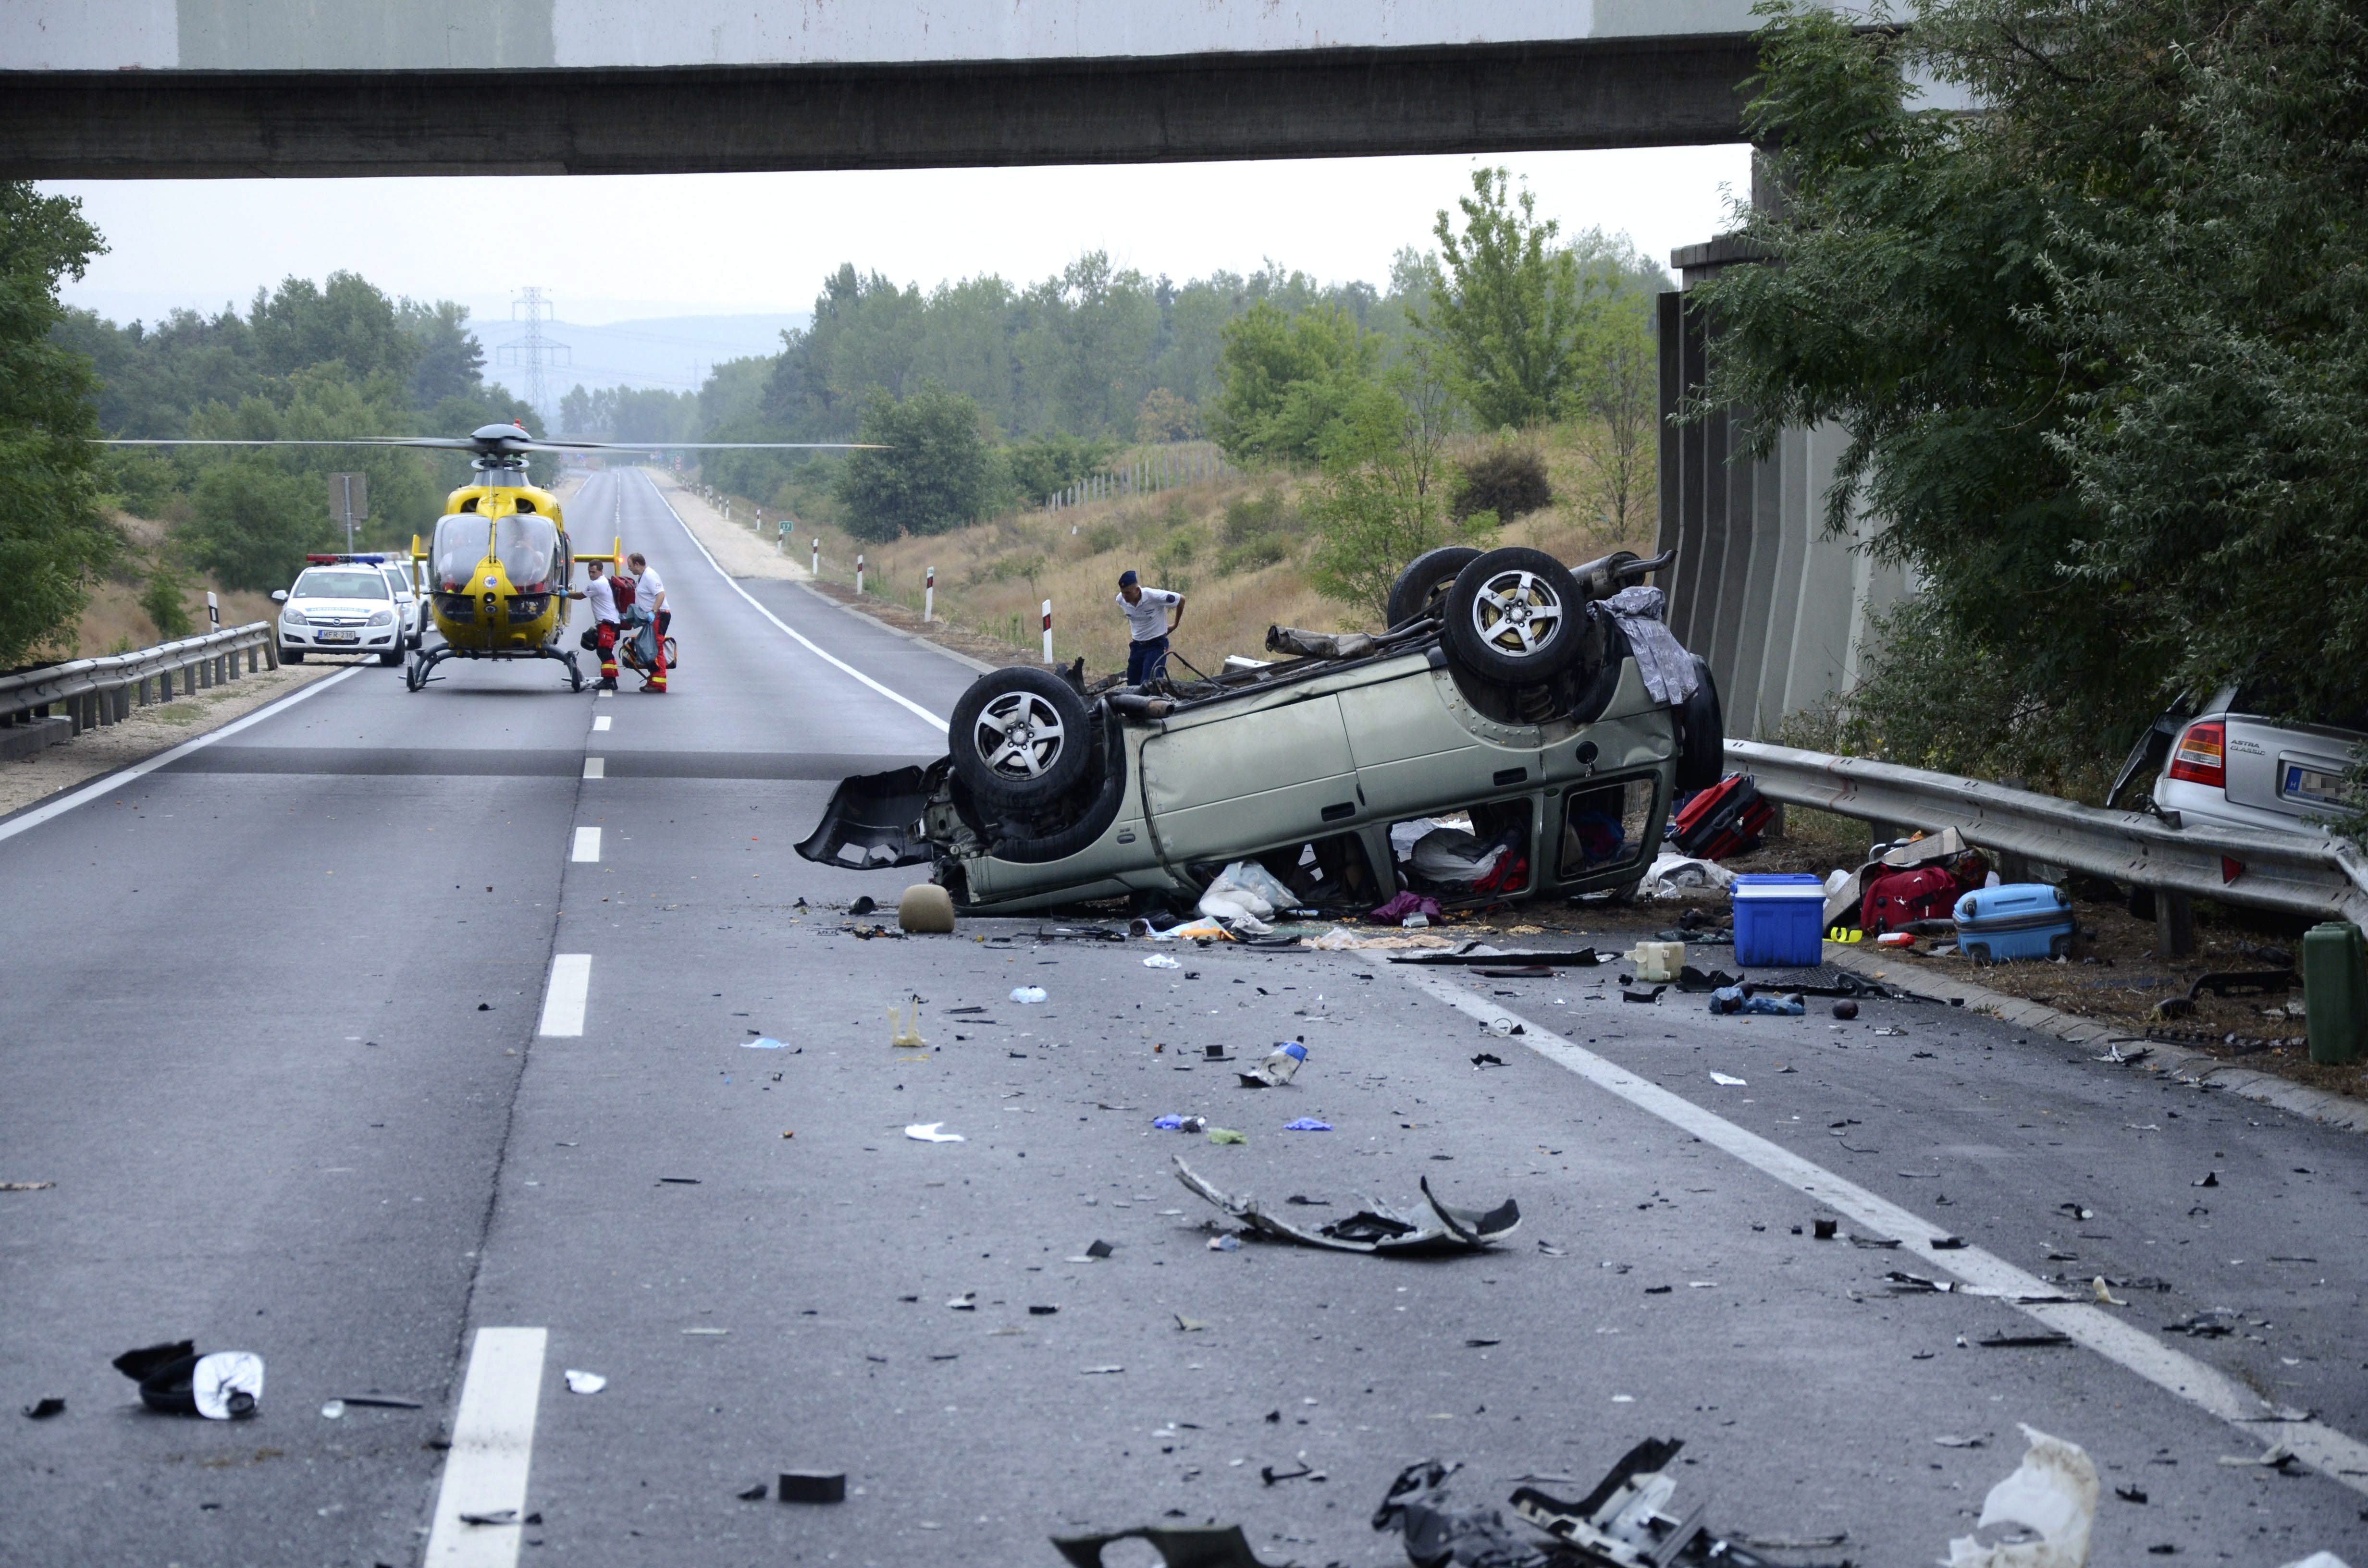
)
(166, 601)
(1253, 555)
(1509, 480)
(1250, 517)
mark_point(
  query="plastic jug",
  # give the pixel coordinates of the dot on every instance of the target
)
(1656, 963)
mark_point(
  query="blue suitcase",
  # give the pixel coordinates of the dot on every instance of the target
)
(2020, 920)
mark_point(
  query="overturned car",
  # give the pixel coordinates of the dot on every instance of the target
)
(1520, 729)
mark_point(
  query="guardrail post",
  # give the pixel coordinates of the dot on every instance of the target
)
(2174, 925)
(271, 652)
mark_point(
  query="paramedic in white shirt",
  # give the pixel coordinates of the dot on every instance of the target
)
(1146, 617)
(602, 597)
(650, 593)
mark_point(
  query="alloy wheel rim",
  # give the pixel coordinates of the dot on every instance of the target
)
(1020, 735)
(1518, 614)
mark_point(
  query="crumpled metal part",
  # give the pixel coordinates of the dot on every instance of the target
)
(1435, 1227)
(1191, 1546)
(1291, 641)
(1439, 1534)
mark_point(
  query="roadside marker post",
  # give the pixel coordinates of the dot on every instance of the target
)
(817, 558)
(859, 573)
(1048, 631)
(930, 595)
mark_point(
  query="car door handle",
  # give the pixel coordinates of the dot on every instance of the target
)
(1336, 813)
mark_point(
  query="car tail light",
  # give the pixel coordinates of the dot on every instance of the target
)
(2199, 756)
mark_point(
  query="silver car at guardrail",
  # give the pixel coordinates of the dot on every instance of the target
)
(1498, 697)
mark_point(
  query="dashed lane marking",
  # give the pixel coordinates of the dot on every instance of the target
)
(811, 646)
(116, 781)
(493, 1446)
(596, 767)
(602, 723)
(2335, 1454)
(570, 988)
(587, 845)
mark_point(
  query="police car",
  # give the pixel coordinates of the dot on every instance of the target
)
(410, 609)
(341, 604)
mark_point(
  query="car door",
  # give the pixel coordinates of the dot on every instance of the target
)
(1235, 782)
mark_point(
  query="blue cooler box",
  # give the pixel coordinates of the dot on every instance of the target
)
(1780, 921)
(2020, 920)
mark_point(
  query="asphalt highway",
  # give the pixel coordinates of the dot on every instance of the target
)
(403, 1040)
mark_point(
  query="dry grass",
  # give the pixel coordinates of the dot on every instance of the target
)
(992, 578)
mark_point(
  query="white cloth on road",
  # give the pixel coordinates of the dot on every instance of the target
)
(1149, 619)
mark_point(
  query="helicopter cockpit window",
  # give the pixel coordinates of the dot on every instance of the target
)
(459, 545)
(346, 584)
(528, 547)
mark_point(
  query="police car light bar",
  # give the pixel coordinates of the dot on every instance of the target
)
(333, 560)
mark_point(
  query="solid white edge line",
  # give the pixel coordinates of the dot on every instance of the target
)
(2336, 1454)
(587, 846)
(564, 1001)
(493, 1449)
(116, 781)
(807, 642)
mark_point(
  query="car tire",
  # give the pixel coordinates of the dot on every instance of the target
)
(1516, 615)
(291, 655)
(1429, 573)
(1020, 738)
(1091, 823)
(1702, 734)
(390, 656)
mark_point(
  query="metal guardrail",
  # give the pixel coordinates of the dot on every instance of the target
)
(2298, 873)
(103, 691)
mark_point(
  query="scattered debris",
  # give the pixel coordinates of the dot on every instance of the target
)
(1226, 1135)
(1282, 1064)
(1187, 1546)
(26, 1186)
(762, 1042)
(904, 1026)
(812, 1487)
(1732, 999)
(1180, 1123)
(1826, 1230)
(2052, 1494)
(334, 1410)
(1479, 956)
(1646, 998)
(1268, 1474)
(965, 1302)
(1226, 1242)
(1488, 1058)
(2024, 1341)
(1692, 979)
(585, 1382)
(1434, 1227)
(1189, 1325)
(1161, 960)
(226, 1385)
(1657, 962)
(1101, 1371)
(1028, 994)
(1845, 1010)
(1626, 1522)
(1306, 1124)
(41, 1410)
(2210, 1178)
(1962, 1442)
(930, 1132)
(2277, 1456)
(754, 1494)
(1730, 1083)
(1099, 1249)
(2131, 1494)
(1041, 1312)
(2216, 1323)
(2103, 1296)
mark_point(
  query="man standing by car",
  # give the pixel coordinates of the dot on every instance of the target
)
(601, 595)
(649, 592)
(1148, 626)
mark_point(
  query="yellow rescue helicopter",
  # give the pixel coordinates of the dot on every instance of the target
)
(498, 568)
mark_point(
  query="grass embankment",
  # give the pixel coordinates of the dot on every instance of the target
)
(1236, 545)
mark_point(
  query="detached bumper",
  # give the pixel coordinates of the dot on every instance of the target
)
(874, 821)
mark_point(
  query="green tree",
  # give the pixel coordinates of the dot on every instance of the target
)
(1290, 380)
(2100, 349)
(1507, 306)
(53, 539)
(930, 472)
(1381, 500)
(302, 324)
(255, 521)
(166, 599)
(1619, 390)
(451, 362)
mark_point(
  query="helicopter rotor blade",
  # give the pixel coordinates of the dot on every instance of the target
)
(700, 446)
(433, 443)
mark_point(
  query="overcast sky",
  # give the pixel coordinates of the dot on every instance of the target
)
(620, 248)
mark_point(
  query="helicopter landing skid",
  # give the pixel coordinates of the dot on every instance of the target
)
(419, 672)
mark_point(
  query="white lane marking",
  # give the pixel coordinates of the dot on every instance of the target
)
(2334, 1453)
(810, 645)
(493, 1445)
(571, 987)
(116, 781)
(602, 723)
(587, 844)
(596, 767)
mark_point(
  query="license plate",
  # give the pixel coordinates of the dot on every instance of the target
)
(2320, 788)
(341, 636)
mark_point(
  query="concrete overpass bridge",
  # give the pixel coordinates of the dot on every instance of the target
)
(217, 88)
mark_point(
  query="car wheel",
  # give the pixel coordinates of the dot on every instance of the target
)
(291, 655)
(1020, 737)
(1514, 614)
(390, 656)
(1702, 734)
(1431, 573)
